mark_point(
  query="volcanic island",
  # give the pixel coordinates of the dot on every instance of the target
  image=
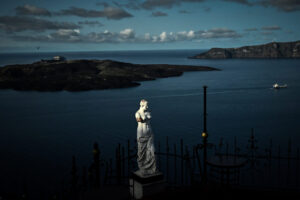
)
(82, 75)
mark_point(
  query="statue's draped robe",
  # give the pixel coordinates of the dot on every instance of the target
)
(146, 157)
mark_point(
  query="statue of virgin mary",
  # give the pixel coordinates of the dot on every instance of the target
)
(146, 157)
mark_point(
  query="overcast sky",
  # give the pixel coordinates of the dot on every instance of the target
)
(98, 25)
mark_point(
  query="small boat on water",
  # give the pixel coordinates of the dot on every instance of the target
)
(277, 86)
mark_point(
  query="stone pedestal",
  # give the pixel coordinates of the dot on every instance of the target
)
(142, 186)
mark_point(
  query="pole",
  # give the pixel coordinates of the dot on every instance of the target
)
(204, 136)
(204, 109)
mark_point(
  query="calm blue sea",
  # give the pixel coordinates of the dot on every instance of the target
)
(40, 131)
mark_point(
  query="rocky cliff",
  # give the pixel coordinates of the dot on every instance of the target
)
(270, 50)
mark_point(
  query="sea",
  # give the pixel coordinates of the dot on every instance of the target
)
(41, 131)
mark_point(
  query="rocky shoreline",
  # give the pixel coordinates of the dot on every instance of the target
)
(81, 75)
(270, 50)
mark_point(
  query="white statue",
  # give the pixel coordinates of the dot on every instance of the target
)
(146, 157)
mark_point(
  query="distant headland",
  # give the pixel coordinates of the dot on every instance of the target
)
(79, 75)
(270, 50)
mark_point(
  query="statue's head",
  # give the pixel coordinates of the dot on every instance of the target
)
(143, 104)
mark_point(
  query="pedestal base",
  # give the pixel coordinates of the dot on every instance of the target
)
(142, 186)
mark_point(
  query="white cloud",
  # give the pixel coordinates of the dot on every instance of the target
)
(128, 36)
(163, 37)
(127, 33)
(67, 31)
(191, 34)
